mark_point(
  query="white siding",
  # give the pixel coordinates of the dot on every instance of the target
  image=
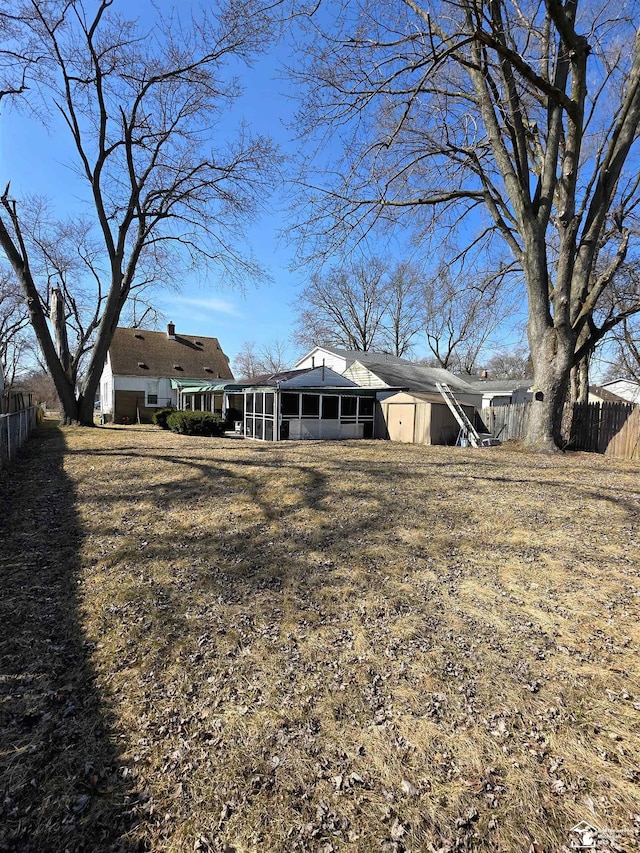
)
(316, 358)
(363, 377)
(106, 388)
(625, 388)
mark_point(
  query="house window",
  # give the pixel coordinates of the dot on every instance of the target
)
(152, 394)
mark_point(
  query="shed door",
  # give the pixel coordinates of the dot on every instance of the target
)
(401, 422)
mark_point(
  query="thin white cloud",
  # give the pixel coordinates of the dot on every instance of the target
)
(213, 304)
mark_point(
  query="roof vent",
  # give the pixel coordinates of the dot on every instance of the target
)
(143, 365)
(139, 336)
(199, 344)
(208, 370)
(177, 367)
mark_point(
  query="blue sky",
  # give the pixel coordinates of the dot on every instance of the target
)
(36, 160)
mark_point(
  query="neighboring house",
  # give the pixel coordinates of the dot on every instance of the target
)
(145, 371)
(339, 359)
(410, 407)
(598, 394)
(499, 392)
(406, 376)
(628, 389)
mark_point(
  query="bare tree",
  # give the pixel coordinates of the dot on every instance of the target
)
(253, 360)
(404, 317)
(14, 320)
(623, 343)
(141, 108)
(461, 313)
(344, 307)
(512, 363)
(362, 305)
(495, 120)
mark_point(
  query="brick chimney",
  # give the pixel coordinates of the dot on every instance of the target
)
(171, 331)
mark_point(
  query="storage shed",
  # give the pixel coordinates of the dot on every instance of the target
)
(419, 418)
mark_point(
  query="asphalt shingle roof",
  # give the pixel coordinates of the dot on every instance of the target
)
(137, 352)
(417, 377)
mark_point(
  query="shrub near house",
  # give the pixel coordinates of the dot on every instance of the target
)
(195, 423)
(159, 418)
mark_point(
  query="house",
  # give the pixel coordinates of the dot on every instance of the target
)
(339, 359)
(499, 392)
(407, 376)
(598, 394)
(146, 370)
(628, 389)
(309, 403)
(410, 407)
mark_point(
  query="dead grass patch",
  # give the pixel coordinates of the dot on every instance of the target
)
(358, 646)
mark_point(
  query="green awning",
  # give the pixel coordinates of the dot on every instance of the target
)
(195, 386)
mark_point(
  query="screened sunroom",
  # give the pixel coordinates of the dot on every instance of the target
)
(312, 403)
(331, 413)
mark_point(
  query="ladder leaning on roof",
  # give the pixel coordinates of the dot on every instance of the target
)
(467, 429)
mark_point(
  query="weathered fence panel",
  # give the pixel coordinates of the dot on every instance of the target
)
(609, 428)
(507, 422)
(15, 429)
(623, 435)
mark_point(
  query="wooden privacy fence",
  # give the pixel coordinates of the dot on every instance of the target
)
(505, 422)
(15, 429)
(609, 428)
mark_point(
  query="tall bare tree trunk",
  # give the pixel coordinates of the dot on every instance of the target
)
(579, 385)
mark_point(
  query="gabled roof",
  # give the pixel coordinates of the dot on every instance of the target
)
(137, 352)
(306, 377)
(417, 377)
(605, 395)
(351, 355)
(495, 386)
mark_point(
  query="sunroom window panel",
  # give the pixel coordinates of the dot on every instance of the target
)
(268, 403)
(310, 406)
(290, 405)
(366, 407)
(330, 408)
(348, 408)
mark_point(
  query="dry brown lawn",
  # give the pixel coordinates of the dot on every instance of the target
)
(220, 645)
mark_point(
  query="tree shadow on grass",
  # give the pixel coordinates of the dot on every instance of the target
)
(63, 786)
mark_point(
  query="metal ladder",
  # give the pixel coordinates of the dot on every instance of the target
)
(467, 429)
